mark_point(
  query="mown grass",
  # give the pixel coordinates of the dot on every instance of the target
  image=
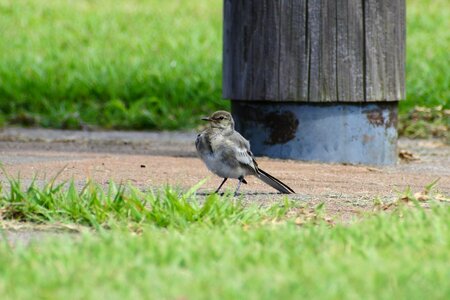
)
(404, 256)
(154, 64)
(169, 245)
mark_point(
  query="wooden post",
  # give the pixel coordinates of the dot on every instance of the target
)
(340, 60)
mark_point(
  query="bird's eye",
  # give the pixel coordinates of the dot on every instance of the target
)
(221, 118)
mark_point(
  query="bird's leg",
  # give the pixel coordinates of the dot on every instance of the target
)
(218, 189)
(241, 179)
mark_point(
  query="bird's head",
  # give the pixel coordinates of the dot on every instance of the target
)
(220, 119)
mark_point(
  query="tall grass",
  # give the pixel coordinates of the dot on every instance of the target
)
(99, 207)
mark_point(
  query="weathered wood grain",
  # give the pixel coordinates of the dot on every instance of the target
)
(293, 66)
(314, 50)
(255, 31)
(271, 42)
(375, 37)
(350, 51)
(227, 52)
(401, 41)
(313, 40)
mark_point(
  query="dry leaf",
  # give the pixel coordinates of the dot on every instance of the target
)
(421, 196)
(299, 221)
(407, 156)
(442, 198)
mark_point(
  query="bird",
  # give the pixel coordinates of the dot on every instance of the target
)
(227, 154)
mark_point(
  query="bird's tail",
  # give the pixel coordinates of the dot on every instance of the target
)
(273, 182)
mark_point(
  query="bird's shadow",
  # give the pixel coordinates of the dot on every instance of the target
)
(239, 194)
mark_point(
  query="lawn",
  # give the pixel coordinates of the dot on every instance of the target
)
(154, 64)
(128, 64)
(428, 62)
(168, 244)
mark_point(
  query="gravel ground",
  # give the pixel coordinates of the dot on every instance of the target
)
(153, 159)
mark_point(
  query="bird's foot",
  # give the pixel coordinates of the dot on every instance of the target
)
(218, 193)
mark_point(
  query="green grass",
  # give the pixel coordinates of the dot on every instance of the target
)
(170, 245)
(154, 64)
(405, 255)
(427, 59)
(128, 64)
(92, 205)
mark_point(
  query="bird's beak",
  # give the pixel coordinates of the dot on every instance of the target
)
(206, 119)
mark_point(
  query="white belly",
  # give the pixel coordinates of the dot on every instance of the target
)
(221, 169)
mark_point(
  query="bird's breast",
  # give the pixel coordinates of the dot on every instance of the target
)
(220, 167)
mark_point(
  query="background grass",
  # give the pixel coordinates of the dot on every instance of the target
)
(128, 64)
(154, 64)
(427, 60)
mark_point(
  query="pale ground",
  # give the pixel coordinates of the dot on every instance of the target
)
(151, 160)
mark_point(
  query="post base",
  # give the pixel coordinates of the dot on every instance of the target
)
(357, 133)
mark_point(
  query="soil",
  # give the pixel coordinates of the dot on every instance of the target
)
(153, 159)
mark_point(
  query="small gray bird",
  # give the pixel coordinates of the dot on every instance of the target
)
(227, 154)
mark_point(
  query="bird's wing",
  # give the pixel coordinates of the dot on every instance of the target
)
(241, 148)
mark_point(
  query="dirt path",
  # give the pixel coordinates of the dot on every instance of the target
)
(150, 160)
